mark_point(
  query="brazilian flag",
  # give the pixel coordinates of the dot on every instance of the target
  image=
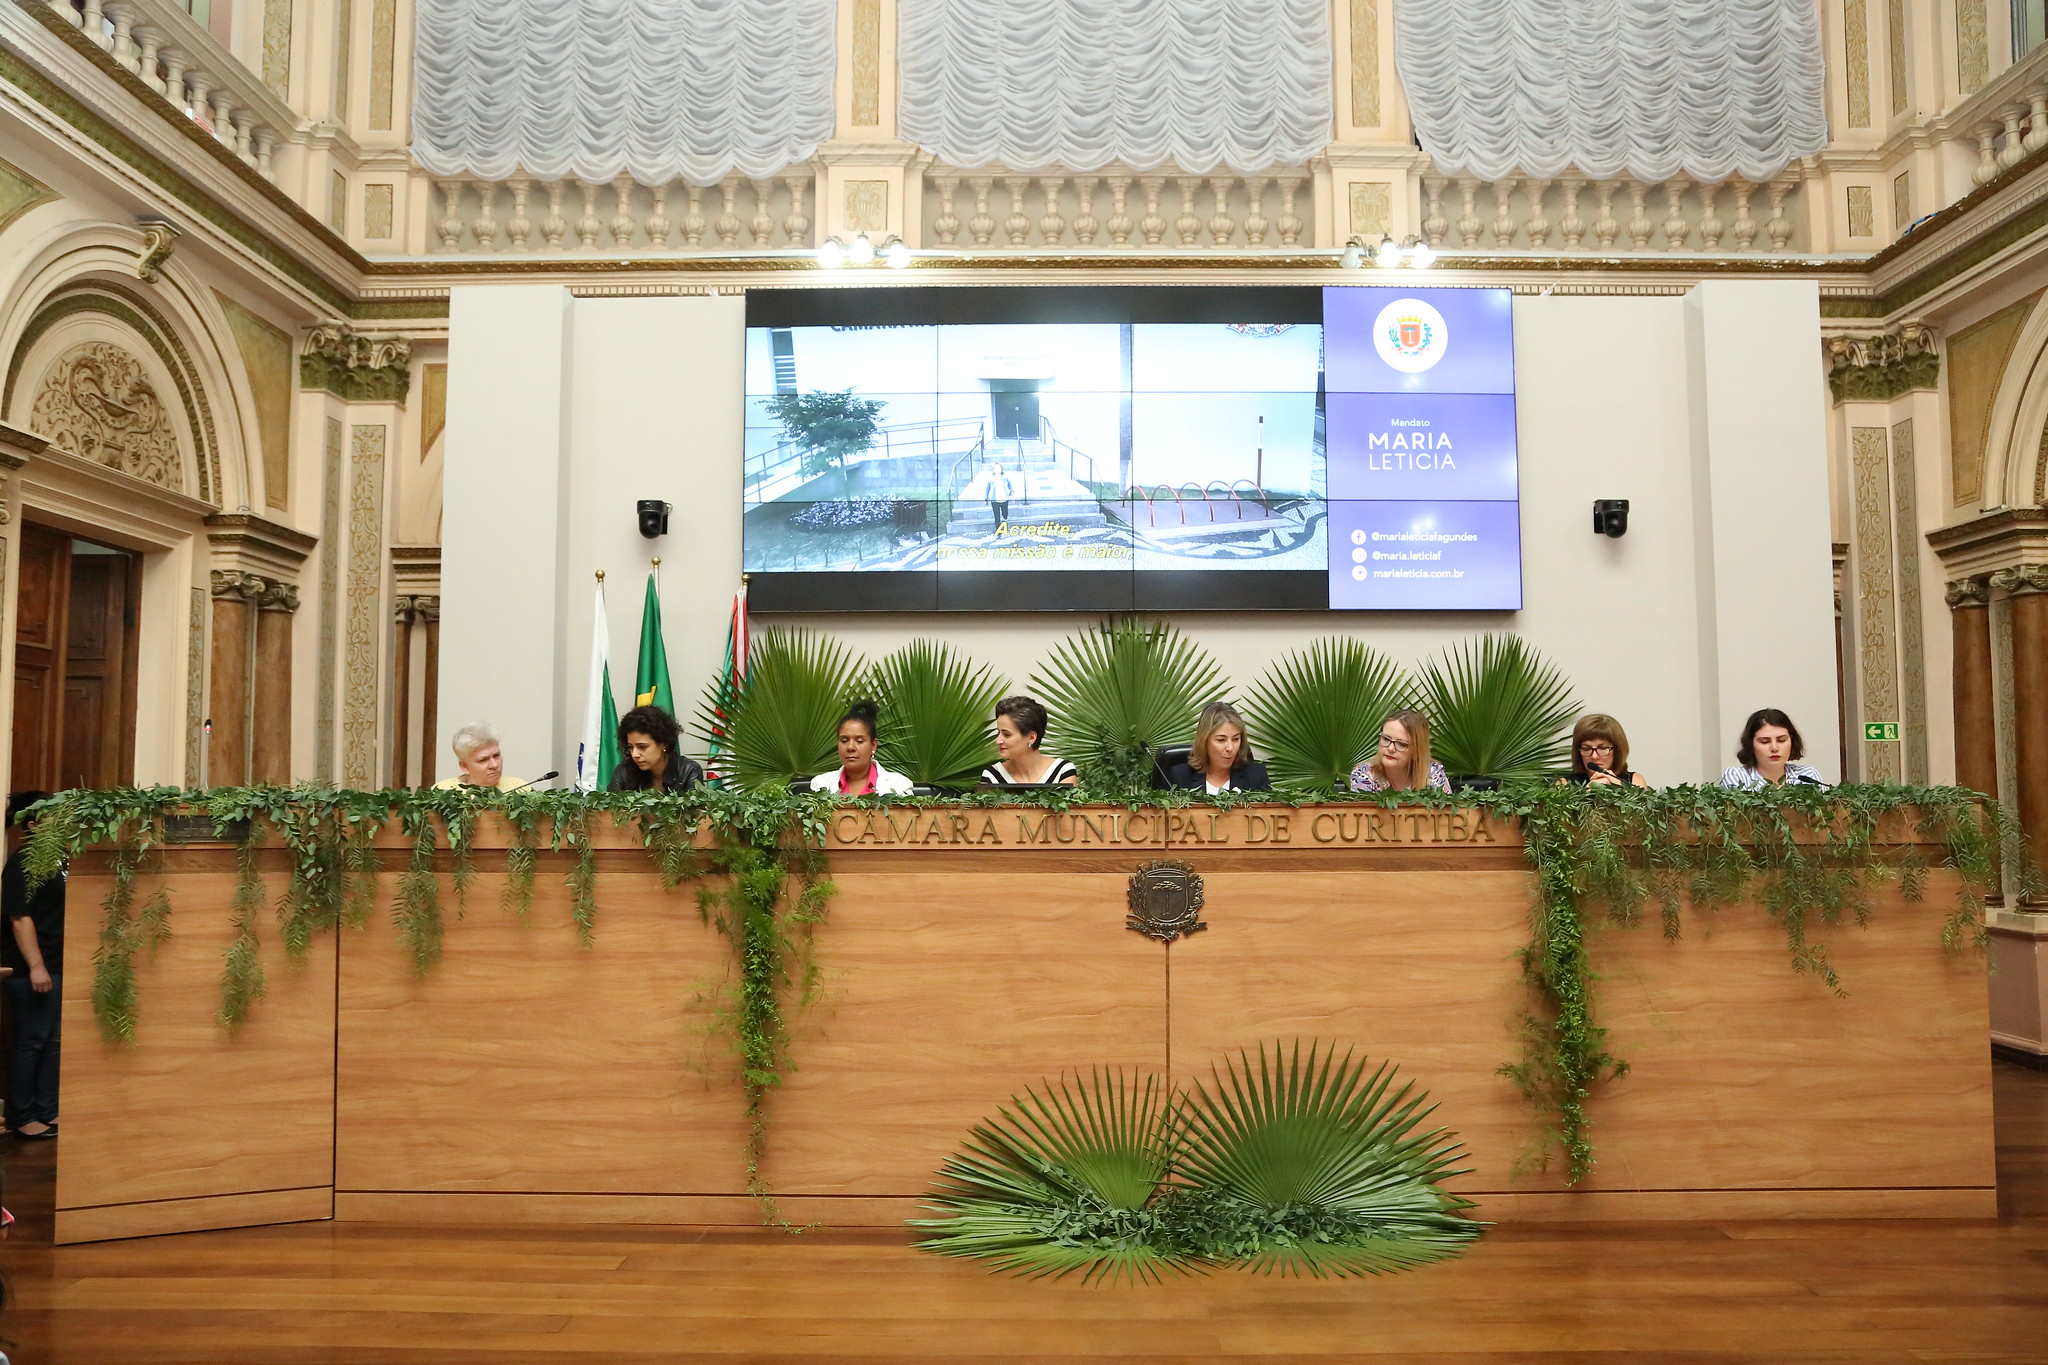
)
(651, 686)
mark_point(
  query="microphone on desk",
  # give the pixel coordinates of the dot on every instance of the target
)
(544, 777)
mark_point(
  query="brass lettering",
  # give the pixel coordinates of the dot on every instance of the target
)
(900, 834)
(1256, 829)
(1092, 825)
(936, 831)
(1281, 825)
(1459, 832)
(1131, 827)
(959, 826)
(1480, 833)
(1028, 833)
(1063, 828)
(1349, 833)
(1316, 827)
(988, 833)
(840, 832)
(1215, 832)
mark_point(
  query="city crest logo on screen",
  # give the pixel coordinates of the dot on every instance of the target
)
(1410, 335)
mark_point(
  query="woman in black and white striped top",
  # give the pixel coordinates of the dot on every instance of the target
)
(1020, 726)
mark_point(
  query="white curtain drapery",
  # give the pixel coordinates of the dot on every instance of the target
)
(1650, 89)
(1081, 84)
(595, 89)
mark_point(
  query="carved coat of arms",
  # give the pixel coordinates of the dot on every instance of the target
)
(1165, 900)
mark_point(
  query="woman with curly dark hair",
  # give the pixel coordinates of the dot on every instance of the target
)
(648, 737)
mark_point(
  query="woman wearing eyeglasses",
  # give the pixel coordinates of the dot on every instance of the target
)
(1600, 754)
(1403, 762)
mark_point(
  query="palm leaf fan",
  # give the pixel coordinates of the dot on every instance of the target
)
(1122, 689)
(784, 722)
(1317, 713)
(1325, 1161)
(1497, 708)
(1061, 1181)
(936, 708)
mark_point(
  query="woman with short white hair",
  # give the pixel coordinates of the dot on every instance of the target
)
(478, 755)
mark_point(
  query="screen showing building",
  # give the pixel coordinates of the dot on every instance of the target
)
(922, 449)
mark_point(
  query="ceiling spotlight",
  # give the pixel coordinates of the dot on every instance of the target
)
(1354, 254)
(861, 251)
(831, 253)
(1389, 254)
(896, 254)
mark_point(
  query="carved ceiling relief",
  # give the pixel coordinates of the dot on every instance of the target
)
(97, 402)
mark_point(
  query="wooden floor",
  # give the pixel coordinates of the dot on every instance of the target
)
(1687, 1294)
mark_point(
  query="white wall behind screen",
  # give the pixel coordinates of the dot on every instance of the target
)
(1679, 629)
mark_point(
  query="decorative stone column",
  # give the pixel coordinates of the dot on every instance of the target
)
(235, 596)
(1969, 604)
(271, 701)
(401, 692)
(428, 612)
(2027, 589)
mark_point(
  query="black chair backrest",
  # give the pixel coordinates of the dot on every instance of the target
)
(1165, 758)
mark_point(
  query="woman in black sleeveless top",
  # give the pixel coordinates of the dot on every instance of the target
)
(1600, 754)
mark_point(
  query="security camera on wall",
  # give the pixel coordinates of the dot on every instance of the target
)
(1610, 517)
(653, 517)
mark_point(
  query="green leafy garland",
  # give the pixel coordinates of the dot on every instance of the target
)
(1809, 856)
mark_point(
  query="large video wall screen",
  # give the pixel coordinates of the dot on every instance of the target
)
(1119, 449)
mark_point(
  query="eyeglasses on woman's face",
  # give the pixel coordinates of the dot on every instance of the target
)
(1596, 746)
(1394, 744)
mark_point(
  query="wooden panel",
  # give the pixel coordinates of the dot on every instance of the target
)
(188, 1111)
(945, 994)
(1706, 1206)
(550, 1210)
(227, 748)
(99, 668)
(44, 582)
(194, 1215)
(524, 1062)
(1745, 1074)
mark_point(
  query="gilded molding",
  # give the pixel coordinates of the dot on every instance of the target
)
(1977, 359)
(867, 205)
(20, 192)
(1372, 208)
(1912, 639)
(356, 368)
(247, 535)
(237, 585)
(97, 402)
(277, 46)
(330, 609)
(1862, 211)
(1876, 623)
(867, 63)
(1883, 365)
(1365, 63)
(159, 239)
(195, 690)
(267, 360)
(1973, 46)
(2021, 581)
(1856, 51)
(1968, 592)
(360, 705)
(383, 63)
(122, 304)
(1895, 46)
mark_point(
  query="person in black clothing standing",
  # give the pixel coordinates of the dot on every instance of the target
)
(33, 945)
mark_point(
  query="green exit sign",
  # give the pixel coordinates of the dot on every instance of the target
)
(1881, 730)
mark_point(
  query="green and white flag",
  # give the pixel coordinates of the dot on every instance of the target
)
(598, 753)
(650, 679)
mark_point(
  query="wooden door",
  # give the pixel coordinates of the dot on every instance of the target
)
(99, 670)
(39, 643)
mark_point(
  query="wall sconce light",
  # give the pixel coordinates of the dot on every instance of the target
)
(863, 250)
(1610, 517)
(1414, 253)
